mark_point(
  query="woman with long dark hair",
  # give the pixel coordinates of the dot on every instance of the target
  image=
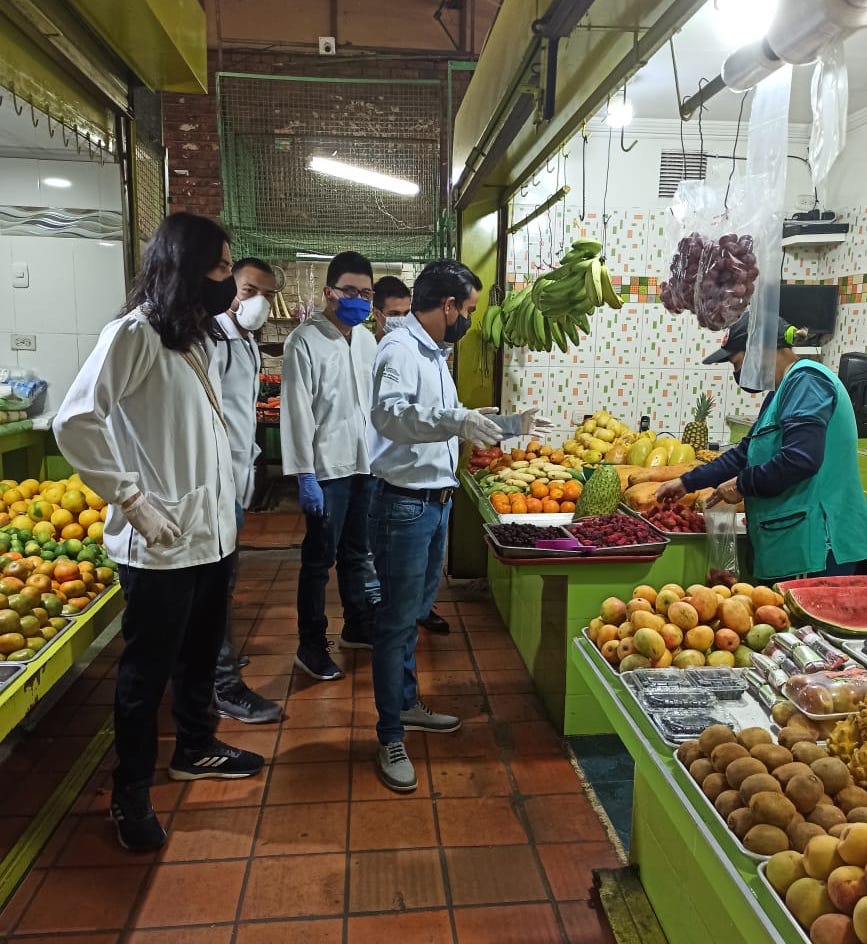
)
(142, 424)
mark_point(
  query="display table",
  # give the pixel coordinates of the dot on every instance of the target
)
(701, 886)
(49, 665)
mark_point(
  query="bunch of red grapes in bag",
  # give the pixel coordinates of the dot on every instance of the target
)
(714, 279)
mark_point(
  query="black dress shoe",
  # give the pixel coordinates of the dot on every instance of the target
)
(434, 623)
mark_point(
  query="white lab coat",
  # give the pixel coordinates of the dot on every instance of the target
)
(325, 400)
(137, 418)
(239, 375)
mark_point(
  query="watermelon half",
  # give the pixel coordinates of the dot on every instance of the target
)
(805, 583)
(840, 610)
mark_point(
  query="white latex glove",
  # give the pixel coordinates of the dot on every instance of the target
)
(150, 523)
(488, 410)
(531, 423)
(479, 430)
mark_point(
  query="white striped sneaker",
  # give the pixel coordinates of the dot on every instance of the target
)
(218, 761)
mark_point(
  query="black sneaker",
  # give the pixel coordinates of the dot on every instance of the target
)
(218, 760)
(243, 662)
(316, 661)
(138, 829)
(434, 623)
(243, 704)
(356, 637)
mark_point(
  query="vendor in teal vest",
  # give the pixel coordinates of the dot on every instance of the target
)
(796, 472)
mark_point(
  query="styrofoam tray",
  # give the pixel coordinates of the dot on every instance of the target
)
(802, 934)
(555, 520)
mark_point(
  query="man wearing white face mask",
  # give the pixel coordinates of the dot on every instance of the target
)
(391, 303)
(238, 363)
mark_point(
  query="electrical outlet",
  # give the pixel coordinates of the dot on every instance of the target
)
(327, 46)
(23, 342)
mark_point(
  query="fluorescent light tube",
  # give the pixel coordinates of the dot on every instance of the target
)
(56, 182)
(359, 175)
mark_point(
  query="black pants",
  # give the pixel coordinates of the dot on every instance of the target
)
(173, 626)
(228, 671)
(341, 535)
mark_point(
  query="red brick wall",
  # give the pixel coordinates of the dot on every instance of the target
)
(190, 121)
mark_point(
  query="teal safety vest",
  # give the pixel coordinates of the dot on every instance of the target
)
(792, 533)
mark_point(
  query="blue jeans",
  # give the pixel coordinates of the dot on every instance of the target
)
(409, 546)
(341, 535)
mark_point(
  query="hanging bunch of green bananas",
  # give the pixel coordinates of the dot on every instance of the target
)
(556, 306)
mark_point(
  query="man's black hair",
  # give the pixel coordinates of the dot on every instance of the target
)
(345, 262)
(443, 279)
(389, 286)
(254, 263)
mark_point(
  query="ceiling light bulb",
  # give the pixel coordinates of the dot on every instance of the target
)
(739, 22)
(620, 113)
(360, 175)
(61, 182)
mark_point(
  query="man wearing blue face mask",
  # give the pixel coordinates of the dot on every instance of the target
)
(418, 421)
(325, 409)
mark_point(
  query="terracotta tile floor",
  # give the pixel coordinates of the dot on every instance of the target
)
(497, 845)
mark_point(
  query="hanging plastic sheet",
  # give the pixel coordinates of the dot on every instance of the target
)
(766, 175)
(830, 100)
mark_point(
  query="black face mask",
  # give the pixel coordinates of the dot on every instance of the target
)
(738, 382)
(454, 332)
(218, 296)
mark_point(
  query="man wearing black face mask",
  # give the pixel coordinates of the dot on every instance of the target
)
(796, 472)
(418, 420)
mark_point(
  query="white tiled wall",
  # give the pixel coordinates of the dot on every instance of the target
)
(76, 284)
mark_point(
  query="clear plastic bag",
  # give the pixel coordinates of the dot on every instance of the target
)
(722, 543)
(713, 267)
(829, 94)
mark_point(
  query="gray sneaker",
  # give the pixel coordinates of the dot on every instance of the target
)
(421, 718)
(395, 768)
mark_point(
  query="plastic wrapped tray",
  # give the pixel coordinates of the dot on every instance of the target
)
(827, 696)
(677, 726)
(679, 697)
(727, 684)
(650, 548)
(506, 550)
(655, 678)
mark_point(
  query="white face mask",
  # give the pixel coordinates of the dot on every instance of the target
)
(253, 312)
(395, 321)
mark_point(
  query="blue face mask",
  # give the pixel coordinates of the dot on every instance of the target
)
(352, 311)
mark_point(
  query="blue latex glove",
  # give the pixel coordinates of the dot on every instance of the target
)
(239, 516)
(310, 495)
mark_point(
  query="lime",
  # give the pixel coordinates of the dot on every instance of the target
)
(88, 541)
(25, 535)
(32, 548)
(73, 547)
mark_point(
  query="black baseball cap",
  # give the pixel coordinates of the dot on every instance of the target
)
(736, 339)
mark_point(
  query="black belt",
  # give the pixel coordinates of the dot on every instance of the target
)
(440, 495)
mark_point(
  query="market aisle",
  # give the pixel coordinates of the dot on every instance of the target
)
(497, 845)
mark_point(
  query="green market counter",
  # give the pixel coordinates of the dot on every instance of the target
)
(701, 886)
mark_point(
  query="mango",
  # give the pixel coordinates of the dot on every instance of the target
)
(649, 643)
(807, 899)
(656, 457)
(784, 869)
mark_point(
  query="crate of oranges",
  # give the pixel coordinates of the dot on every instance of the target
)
(541, 498)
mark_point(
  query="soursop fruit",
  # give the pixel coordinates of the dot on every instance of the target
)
(601, 494)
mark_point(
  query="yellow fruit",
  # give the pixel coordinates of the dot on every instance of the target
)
(93, 500)
(4, 519)
(73, 500)
(12, 495)
(103, 513)
(44, 527)
(40, 510)
(51, 492)
(88, 517)
(95, 531)
(72, 531)
(22, 523)
(61, 518)
(19, 507)
(74, 479)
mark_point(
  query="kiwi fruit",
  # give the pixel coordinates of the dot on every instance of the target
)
(714, 735)
(857, 815)
(713, 785)
(833, 773)
(764, 839)
(740, 822)
(850, 797)
(826, 816)
(801, 833)
(750, 737)
(771, 755)
(701, 768)
(805, 752)
(759, 783)
(785, 773)
(805, 790)
(723, 754)
(688, 752)
(824, 798)
(738, 770)
(791, 735)
(837, 831)
(797, 818)
(783, 712)
(727, 802)
(772, 808)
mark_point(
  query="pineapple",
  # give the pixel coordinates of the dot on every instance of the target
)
(695, 433)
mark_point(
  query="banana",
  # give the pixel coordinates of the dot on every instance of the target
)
(557, 335)
(547, 332)
(488, 319)
(497, 329)
(514, 299)
(570, 330)
(584, 244)
(609, 293)
(539, 326)
(582, 321)
(593, 282)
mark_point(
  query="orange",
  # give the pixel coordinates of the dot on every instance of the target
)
(539, 490)
(572, 490)
(567, 506)
(519, 508)
(87, 518)
(84, 566)
(66, 570)
(74, 500)
(555, 492)
(534, 506)
(103, 513)
(12, 495)
(80, 602)
(557, 456)
(73, 588)
(550, 507)
(95, 531)
(93, 500)
(73, 531)
(61, 518)
(19, 507)
(41, 581)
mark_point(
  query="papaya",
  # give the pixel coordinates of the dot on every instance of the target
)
(661, 473)
(641, 497)
(656, 457)
(639, 451)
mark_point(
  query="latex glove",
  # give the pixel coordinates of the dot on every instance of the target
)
(671, 491)
(310, 495)
(150, 523)
(488, 410)
(479, 430)
(531, 423)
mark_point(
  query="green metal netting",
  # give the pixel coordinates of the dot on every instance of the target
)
(271, 126)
